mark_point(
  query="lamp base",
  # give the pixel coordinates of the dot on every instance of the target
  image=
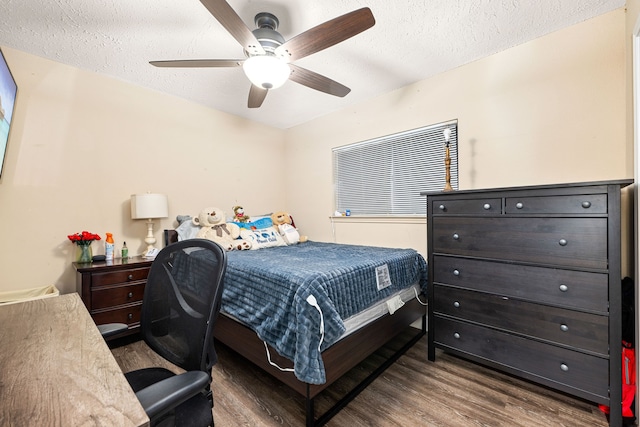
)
(150, 240)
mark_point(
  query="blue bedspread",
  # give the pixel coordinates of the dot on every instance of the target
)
(267, 289)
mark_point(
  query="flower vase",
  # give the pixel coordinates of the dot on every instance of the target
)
(84, 253)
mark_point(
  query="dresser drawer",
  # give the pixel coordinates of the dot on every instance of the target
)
(128, 314)
(580, 204)
(105, 297)
(470, 206)
(117, 277)
(563, 288)
(567, 242)
(544, 362)
(589, 332)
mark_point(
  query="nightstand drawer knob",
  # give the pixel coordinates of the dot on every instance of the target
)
(486, 206)
(586, 205)
(129, 316)
(130, 295)
(519, 205)
(456, 336)
(563, 242)
(456, 236)
(564, 288)
(130, 277)
(456, 272)
(441, 207)
(564, 367)
(456, 304)
(564, 328)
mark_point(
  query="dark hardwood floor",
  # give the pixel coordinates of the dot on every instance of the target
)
(412, 392)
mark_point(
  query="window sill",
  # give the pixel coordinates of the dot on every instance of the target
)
(379, 219)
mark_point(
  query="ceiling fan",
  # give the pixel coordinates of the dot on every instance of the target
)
(268, 62)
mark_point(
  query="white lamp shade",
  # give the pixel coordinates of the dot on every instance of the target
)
(267, 72)
(149, 205)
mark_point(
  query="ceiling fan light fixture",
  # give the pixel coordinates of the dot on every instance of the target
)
(266, 71)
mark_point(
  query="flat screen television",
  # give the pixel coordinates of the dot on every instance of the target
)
(8, 90)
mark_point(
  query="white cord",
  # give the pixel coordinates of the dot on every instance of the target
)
(418, 298)
(313, 302)
(273, 364)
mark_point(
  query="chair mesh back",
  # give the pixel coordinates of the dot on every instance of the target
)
(181, 302)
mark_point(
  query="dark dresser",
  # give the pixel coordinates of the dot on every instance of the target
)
(113, 291)
(527, 280)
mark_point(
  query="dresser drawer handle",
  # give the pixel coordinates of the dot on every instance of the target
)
(564, 367)
(564, 288)
(456, 236)
(130, 277)
(129, 316)
(564, 328)
(486, 206)
(456, 304)
(563, 242)
(441, 207)
(456, 272)
(456, 335)
(519, 205)
(586, 205)
(130, 295)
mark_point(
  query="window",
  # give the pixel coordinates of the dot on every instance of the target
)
(384, 176)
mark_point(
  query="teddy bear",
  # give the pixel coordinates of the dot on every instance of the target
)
(283, 223)
(214, 226)
(239, 215)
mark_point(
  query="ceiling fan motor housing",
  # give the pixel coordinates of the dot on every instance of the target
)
(266, 32)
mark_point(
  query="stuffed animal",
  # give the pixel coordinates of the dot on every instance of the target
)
(238, 214)
(283, 223)
(214, 226)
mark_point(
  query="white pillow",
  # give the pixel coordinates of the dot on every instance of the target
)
(263, 238)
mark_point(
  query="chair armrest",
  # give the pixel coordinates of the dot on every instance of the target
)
(109, 329)
(169, 393)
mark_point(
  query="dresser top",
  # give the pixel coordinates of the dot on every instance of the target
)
(576, 185)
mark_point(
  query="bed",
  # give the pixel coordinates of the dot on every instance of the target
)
(308, 313)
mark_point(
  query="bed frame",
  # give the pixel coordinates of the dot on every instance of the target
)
(338, 359)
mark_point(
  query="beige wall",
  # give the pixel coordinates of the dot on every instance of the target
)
(82, 143)
(551, 110)
(548, 111)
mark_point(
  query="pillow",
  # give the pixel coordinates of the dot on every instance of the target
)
(187, 229)
(262, 238)
(256, 223)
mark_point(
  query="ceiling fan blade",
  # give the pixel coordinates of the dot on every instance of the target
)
(317, 81)
(224, 13)
(256, 96)
(199, 63)
(326, 35)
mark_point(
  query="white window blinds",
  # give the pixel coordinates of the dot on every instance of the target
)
(384, 176)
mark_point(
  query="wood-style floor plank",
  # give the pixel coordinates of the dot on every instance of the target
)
(450, 392)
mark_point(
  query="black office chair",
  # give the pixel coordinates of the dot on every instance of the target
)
(180, 305)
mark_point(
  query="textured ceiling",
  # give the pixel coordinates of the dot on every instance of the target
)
(411, 40)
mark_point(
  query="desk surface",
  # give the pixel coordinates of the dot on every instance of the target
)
(56, 369)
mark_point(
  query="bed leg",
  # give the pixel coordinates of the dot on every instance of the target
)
(311, 417)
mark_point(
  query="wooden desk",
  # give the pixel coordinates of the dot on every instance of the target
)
(56, 369)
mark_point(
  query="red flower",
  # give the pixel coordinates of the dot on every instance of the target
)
(84, 238)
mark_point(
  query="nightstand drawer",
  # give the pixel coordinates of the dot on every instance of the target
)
(536, 360)
(580, 204)
(562, 288)
(566, 242)
(117, 277)
(569, 328)
(470, 206)
(114, 296)
(128, 314)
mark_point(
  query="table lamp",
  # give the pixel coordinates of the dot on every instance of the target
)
(149, 206)
(447, 160)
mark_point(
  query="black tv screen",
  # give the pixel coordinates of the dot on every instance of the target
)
(8, 90)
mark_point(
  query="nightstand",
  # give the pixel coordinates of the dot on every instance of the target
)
(113, 290)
